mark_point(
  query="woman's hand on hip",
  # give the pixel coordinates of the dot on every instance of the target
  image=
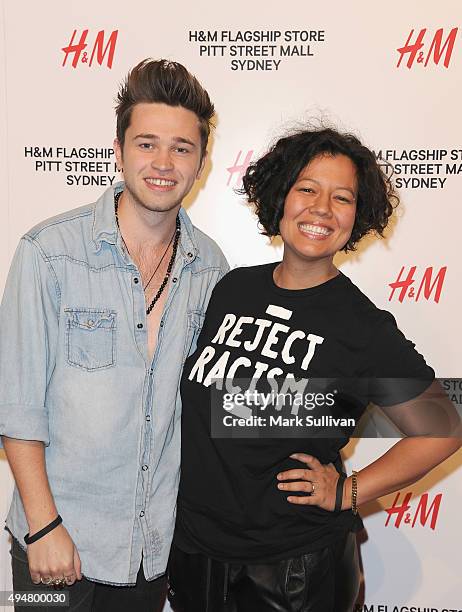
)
(318, 481)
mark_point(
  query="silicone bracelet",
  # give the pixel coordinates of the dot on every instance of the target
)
(31, 539)
(339, 493)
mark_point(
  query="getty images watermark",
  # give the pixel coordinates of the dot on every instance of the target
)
(335, 408)
(243, 402)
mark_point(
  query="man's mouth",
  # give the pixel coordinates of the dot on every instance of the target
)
(160, 182)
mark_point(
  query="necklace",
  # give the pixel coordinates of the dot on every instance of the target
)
(175, 238)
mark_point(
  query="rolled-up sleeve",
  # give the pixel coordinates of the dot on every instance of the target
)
(29, 315)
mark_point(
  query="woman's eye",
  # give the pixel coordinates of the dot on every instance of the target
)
(343, 199)
(307, 190)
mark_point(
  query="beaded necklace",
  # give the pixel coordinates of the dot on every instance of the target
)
(175, 237)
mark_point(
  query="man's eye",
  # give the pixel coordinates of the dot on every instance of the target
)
(181, 150)
(145, 145)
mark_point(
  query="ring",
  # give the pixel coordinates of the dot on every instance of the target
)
(313, 490)
(69, 579)
(46, 581)
(59, 582)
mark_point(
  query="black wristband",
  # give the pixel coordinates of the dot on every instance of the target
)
(339, 493)
(31, 539)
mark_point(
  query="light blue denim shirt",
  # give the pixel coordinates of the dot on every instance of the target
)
(75, 374)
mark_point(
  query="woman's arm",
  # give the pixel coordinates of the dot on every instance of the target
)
(410, 459)
(406, 462)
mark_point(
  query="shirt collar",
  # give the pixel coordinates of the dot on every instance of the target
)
(105, 226)
(104, 221)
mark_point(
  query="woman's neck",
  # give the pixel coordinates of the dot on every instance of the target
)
(303, 275)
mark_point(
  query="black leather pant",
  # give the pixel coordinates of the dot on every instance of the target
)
(323, 581)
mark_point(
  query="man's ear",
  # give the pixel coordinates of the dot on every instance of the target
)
(119, 155)
(202, 164)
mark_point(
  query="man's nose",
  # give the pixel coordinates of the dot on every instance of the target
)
(162, 160)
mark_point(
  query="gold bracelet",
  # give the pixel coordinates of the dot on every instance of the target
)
(354, 492)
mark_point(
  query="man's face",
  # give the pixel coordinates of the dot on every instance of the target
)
(161, 156)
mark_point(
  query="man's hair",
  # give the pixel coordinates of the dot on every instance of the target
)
(164, 82)
(268, 180)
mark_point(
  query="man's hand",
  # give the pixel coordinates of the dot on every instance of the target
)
(53, 557)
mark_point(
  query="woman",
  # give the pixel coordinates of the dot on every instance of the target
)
(266, 521)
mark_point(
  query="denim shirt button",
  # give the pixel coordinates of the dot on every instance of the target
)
(144, 468)
(136, 280)
(140, 326)
(142, 513)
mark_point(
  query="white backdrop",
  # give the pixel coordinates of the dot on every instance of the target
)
(344, 69)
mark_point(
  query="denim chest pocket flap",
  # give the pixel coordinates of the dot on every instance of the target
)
(196, 319)
(195, 322)
(91, 337)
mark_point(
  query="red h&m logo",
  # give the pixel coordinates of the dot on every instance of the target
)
(422, 513)
(239, 168)
(428, 284)
(99, 49)
(436, 50)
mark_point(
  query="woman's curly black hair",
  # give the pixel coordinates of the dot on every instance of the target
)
(267, 181)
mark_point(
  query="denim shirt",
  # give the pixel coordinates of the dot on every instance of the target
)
(75, 374)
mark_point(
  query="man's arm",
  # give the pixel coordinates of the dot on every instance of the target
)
(29, 321)
(54, 555)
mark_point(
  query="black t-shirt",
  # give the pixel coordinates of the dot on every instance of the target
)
(229, 506)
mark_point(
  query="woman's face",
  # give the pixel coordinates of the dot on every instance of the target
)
(320, 209)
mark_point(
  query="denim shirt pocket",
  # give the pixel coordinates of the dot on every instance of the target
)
(91, 337)
(195, 322)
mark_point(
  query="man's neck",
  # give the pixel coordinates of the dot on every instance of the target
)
(142, 228)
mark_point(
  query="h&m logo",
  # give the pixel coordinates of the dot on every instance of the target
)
(436, 50)
(239, 167)
(100, 49)
(428, 284)
(404, 513)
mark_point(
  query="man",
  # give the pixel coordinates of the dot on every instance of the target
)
(101, 307)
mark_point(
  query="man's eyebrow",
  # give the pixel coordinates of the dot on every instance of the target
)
(146, 136)
(177, 139)
(181, 139)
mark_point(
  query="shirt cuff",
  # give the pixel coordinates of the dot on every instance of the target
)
(24, 423)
